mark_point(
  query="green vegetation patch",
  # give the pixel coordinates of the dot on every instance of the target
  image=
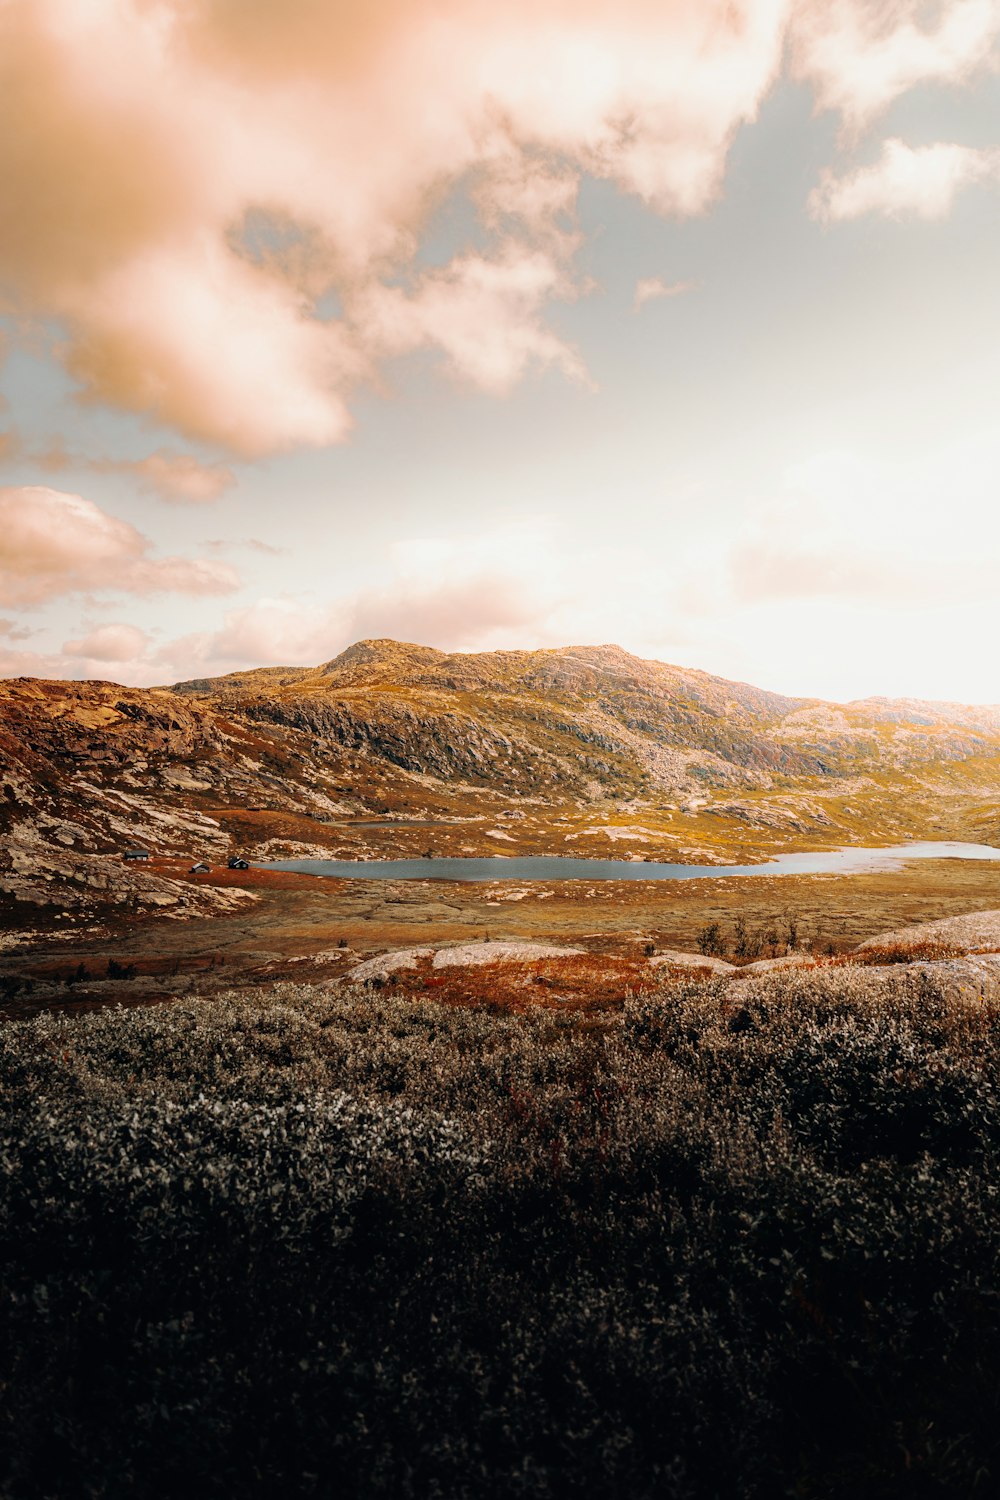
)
(317, 1243)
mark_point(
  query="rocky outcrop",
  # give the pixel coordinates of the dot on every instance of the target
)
(90, 769)
(977, 929)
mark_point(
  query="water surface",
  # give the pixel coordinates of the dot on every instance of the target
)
(843, 861)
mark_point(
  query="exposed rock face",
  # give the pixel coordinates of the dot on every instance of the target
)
(89, 769)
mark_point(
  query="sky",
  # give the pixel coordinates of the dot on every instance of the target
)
(667, 323)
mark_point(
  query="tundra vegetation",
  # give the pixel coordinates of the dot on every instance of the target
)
(729, 1240)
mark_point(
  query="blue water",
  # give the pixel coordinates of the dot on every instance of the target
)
(844, 861)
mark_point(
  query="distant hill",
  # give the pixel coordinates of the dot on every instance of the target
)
(582, 715)
(583, 743)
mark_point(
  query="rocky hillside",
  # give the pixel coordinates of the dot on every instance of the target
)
(587, 719)
(576, 750)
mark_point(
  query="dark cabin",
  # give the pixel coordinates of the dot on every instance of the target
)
(136, 853)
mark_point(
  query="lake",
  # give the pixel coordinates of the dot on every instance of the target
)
(844, 861)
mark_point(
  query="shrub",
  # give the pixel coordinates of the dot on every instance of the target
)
(736, 1241)
(746, 944)
(711, 941)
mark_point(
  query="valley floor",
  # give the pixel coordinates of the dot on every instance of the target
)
(315, 930)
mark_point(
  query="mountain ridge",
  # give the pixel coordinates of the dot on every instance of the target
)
(677, 706)
(385, 651)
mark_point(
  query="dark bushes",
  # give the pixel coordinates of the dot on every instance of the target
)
(317, 1243)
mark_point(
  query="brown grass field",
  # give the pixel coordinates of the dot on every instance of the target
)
(314, 930)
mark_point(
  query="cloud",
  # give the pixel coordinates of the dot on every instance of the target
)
(120, 652)
(173, 476)
(269, 632)
(850, 528)
(53, 543)
(479, 592)
(511, 588)
(217, 348)
(10, 630)
(179, 476)
(649, 288)
(186, 180)
(519, 189)
(34, 664)
(766, 571)
(861, 56)
(110, 643)
(919, 180)
(484, 314)
(471, 593)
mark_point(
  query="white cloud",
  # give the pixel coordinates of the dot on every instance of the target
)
(919, 180)
(649, 288)
(484, 314)
(861, 56)
(910, 534)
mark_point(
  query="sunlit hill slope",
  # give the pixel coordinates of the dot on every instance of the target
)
(580, 750)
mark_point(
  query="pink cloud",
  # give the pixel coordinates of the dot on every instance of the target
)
(173, 476)
(181, 476)
(460, 613)
(272, 632)
(919, 180)
(110, 643)
(138, 141)
(66, 666)
(33, 664)
(52, 543)
(522, 189)
(499, 590)
(10, 630)
(847, 526)
(763, 573)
